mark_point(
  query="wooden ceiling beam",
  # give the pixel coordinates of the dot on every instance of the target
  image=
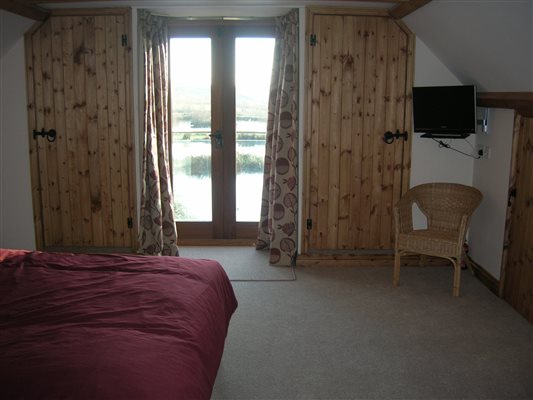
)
(404, 9)
(31, 9)
(522, 102)
(26, 10)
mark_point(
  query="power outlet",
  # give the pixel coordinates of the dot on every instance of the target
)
(483, 152)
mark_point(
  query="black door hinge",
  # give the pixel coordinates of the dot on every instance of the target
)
(312, 39)
(130, 223)
(124, 40)
(309, 224)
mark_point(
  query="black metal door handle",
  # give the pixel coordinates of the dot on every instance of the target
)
(49, 135)
(219, 142)
(388, 137)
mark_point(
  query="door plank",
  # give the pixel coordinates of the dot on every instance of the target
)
(114, 133)
(53, 216)
(312, 144)
(92, 131)
(42, 169)
(345, 157)
(369, 113)
(325, 41)
(80, 126)
(402, 161)
(378, 171)
(359, 49)
(335, 116)
(390, 124)
(123, 128)
(104, 167)
(61, 141)
(70, 131)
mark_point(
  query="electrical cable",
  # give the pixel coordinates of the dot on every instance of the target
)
(448, 146)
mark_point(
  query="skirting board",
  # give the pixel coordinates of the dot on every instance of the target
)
(387, 260)
(487, 279)
(367, 260)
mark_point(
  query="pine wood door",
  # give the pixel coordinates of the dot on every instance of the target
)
(517, 275)
(78, 84)
(360, 72)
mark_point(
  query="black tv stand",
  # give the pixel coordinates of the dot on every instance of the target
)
(445, 135)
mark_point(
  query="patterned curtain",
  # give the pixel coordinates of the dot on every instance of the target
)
(158, 235)
(279, 207)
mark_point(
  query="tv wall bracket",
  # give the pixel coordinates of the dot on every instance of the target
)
(388, 137)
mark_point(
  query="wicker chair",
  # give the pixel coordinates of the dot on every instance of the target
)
(448, 207)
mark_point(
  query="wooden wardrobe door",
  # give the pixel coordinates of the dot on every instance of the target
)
(517, 274)
(360, 87)
(78, 84)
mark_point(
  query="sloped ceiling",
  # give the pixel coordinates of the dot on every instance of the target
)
(488, 43)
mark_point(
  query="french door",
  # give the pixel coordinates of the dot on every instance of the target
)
(220, 81)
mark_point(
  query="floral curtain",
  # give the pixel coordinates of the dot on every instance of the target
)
(157, 235)
(279, 207)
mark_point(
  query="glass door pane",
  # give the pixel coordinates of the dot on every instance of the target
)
(253, 70)
(190, 63)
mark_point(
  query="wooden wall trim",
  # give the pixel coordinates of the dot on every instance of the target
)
(366, 12)
(341, 259)
(26, 10)
(522, 102)
(407, 8)
(94, 12)
(487, 279)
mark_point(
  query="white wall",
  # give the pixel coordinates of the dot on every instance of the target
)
(489, 43)
(16, 212)
(491, 176)
(431, 163)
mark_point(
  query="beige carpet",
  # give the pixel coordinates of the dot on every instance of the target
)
(347, 333)
(241, 263)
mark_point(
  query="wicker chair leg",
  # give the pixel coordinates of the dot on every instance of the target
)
(396, 277)
(456, 277)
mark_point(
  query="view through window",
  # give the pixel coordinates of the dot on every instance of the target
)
(190, 61)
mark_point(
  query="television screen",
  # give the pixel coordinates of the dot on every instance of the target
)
(445, 110)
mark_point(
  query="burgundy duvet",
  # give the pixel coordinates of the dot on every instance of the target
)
(111, 326)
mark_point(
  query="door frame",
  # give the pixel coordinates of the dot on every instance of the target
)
(223, 227)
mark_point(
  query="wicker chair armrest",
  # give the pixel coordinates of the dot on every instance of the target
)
(463, 226)
(403, 215)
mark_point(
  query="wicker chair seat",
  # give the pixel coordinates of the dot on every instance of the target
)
(432, 242)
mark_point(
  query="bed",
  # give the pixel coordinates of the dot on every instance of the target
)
(110, 326)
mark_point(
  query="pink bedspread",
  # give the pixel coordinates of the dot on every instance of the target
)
(111, 326)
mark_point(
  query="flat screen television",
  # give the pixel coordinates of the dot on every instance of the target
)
(445, 111)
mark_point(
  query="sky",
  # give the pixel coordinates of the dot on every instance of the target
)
(190, 60)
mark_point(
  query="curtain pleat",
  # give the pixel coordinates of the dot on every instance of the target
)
(158, 234)
(279, 207)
